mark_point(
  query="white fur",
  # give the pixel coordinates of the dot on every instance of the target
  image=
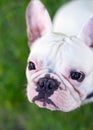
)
(71, 17)
(56, 52)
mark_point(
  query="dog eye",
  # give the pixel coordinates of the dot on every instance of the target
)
(79, 76)
(31, 65)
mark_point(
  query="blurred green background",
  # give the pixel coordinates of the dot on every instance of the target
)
(16, 113)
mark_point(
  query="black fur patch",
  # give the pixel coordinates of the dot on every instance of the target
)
(90, 95)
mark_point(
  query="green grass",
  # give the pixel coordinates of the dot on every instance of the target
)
(16, 113)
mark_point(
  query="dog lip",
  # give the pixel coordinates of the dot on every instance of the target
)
(45, 100)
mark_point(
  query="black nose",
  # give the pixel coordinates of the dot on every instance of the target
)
(47, 85)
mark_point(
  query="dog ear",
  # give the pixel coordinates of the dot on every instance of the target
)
(86, 33)
(38, 21)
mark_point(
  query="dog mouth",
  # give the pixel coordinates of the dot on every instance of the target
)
(44, 99)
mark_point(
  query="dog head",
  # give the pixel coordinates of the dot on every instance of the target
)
(59, 68)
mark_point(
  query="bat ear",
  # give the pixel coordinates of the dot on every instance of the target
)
(38, 21)
(86, 33)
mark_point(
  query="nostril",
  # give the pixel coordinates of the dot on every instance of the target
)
(50, 87)
(50, 84)
(47, 85)
(41, 84)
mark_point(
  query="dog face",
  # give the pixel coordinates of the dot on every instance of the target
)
(59, 68)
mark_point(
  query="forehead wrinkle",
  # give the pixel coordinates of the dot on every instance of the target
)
(48, 42)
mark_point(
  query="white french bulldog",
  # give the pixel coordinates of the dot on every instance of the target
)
(60, 65)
